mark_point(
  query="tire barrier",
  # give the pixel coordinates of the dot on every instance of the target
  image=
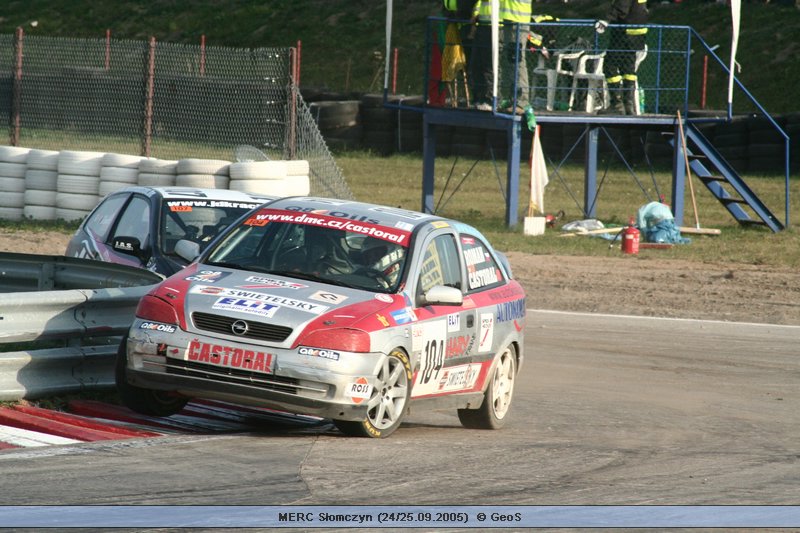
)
(71, 312)
(157, 172)
(12, 181)
(751, 144)
(41, 178)
(77, 184)
(49, 185)
(118, 171)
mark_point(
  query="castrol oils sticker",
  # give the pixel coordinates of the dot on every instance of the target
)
(359, 390)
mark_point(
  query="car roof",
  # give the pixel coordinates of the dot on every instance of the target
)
(194, 192)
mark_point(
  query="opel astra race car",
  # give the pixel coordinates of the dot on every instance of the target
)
(141, 226)
(337, 309)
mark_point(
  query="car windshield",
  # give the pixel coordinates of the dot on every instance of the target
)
(357, 259)
(196, 220)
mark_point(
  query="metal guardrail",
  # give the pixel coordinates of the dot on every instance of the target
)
(83, 305)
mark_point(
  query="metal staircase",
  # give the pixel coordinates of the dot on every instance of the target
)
(724, 182)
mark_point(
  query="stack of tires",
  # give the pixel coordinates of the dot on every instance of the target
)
(409, 125)
(765, 145)
(157, 172)
(793, 131)
(339, 123)
(204, 173)
(379, 123)
(730, 140)
(77, 184)
(258, 177)
(118, 171)
(12, 181)
(297, 181)
(41, 178)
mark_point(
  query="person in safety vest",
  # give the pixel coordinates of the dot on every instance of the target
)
(619, 66)
(479, 62)
(515, 16)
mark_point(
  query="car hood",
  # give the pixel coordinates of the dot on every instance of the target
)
(277, 300)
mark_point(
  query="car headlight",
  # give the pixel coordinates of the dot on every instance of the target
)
(340, 339)
(155, 309)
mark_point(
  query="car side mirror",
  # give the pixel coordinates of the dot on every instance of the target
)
(441, 295)
(187, 249)
(129, 246)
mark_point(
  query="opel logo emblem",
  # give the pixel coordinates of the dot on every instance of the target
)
(239, 327)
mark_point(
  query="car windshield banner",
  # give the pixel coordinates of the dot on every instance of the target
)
(265, 216)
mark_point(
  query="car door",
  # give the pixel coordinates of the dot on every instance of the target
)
(134, 221)
(443, 336)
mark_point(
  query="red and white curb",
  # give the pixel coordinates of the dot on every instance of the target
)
(24, 426)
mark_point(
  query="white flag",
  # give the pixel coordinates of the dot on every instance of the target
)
(538, 175)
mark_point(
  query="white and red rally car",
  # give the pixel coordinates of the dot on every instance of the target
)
(333, 308)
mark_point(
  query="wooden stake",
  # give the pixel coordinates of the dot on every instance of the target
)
(688, 170)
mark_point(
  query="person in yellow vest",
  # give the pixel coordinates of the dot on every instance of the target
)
(515, 15)
(479, 69)
(619, 66)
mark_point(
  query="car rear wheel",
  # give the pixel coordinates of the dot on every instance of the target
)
(497, 399)
(387, 402)
(144, 401)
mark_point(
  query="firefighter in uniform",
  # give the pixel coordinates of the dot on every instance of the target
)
(480, 61)
(619, 66)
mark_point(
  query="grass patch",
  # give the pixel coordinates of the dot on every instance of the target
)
(396, 181)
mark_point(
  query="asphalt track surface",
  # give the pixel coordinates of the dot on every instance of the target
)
(607, 410)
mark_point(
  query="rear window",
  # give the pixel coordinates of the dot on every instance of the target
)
(482, 270)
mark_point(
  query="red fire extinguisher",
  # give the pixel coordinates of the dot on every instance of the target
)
(630, 239)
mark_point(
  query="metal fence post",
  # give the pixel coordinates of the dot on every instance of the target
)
(147, 131)
(16, 89)
(291, 108)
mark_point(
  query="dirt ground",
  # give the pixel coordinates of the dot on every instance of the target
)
(617, 285)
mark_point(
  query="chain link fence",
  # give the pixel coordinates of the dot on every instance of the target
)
(677, 70)
(163, 100)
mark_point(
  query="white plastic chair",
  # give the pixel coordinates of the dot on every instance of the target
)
(590, 70)
(564, 66)
(640, 56)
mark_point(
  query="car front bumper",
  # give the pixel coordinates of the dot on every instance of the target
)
(291, 381)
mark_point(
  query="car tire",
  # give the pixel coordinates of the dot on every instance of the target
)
(80, 202)
(12, 170)
(70, 215)
(148, 179)
(11, 213)
(39, 212)
(259, 187)
(493, 412)
(37, 197)
(120, 175)
(42, 160)
(12, 199)
(144, 401)
(203, 166)
(12, 184)
(80, 163)
(121, 161)
(14, 154)
(158, 166)
(42, 180)
(77, 184)
(258, 170)
(203, 181)
(388, 401)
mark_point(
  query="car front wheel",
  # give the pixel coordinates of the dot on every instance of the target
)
(388, 400)
(144, 401)
(497, 399)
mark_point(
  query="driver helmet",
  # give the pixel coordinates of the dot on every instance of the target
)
(382, 255)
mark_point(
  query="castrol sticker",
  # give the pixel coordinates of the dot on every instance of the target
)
(359, 390)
